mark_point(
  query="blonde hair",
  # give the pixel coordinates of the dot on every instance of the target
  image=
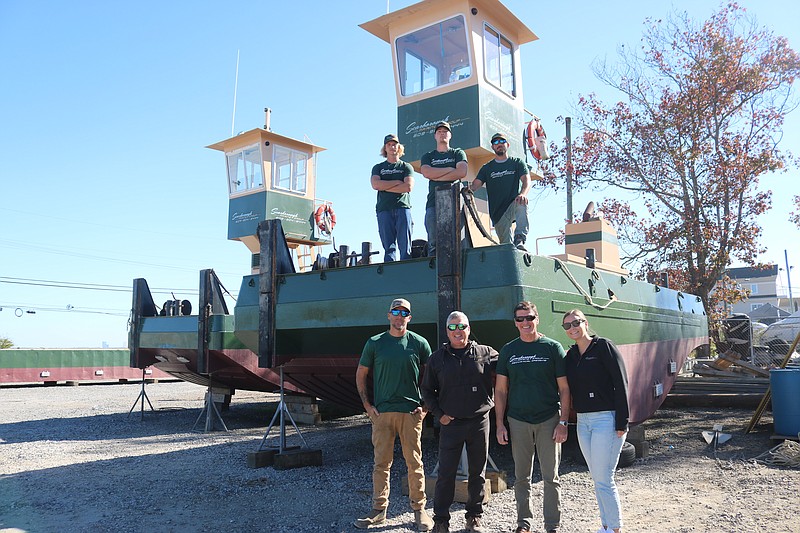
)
(400, 150)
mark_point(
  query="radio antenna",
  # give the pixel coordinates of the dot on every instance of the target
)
(235, 90)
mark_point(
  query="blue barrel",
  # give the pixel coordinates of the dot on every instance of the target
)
(785, 385)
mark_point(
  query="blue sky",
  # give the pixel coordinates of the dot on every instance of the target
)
(106, 109)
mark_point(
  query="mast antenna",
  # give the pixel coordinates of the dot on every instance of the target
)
(235, 90)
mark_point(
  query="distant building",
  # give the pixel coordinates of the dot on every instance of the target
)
(761, 283)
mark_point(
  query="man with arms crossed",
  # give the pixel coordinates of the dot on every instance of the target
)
(393, 179)
(442, 165)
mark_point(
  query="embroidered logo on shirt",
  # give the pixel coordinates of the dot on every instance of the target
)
(521, 359)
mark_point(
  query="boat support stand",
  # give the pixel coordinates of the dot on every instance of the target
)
(283, 456)
(142, 396)
(211, 412)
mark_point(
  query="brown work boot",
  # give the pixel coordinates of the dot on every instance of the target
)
(474, 524)
(375, 517)
(423, 520)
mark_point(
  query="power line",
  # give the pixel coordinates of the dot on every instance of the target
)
(87, 286)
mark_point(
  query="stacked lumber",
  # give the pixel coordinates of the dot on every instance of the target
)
(730, 364)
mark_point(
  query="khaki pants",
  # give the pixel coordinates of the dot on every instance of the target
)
(527, 439)
(384, 430)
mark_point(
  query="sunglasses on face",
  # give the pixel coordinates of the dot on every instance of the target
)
(400, 312)
(498, 141)
(529, 318)
(573, 324)
(453, 327)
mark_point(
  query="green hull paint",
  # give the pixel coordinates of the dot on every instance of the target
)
(334, 311)
(63, 358)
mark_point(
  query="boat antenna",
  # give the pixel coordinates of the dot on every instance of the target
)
(235, 90)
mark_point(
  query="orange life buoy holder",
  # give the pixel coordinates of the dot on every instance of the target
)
(325, 218)
(536, 139)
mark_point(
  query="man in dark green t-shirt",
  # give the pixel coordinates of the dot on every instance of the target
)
(507, 182)
(443, 165)
(395, 359)
(532, 384)
(393, 179)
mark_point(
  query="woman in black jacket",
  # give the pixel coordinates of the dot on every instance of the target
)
(599, 387)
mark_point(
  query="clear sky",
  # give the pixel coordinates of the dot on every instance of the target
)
(106, 109)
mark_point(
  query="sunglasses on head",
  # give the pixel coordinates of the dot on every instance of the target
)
(573, 324)
(499, 141)
(529, 318)
(400, 312)
(453, 327)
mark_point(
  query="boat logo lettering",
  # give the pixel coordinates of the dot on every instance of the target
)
(283, 215)
(391, 171)
(522, 359)
(243, 217)
(501, 173)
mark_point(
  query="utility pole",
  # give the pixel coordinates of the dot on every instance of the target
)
(568, 121)
(789, 281)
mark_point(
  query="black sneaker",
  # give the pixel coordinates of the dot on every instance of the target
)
(519, 242)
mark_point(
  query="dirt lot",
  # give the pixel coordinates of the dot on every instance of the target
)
(71, 459)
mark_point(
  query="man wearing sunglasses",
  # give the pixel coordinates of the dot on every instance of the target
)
(395, 358)
(532, 389)
(457, 389)
(507, 182)
(442, 165)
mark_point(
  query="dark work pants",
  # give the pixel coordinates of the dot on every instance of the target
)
(474, 433)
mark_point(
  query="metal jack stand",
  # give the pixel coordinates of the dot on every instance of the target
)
(142, 396)
(280, 412)
(211, 411)
(282, 456)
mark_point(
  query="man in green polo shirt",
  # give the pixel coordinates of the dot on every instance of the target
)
(395, 358)
(532, 384)
(507, 182)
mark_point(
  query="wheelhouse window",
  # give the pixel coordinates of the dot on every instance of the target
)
(433, 56)
(290, 169)
(499, 60)
(245, 169)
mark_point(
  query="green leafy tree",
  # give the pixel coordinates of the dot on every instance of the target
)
(5, 343)
(701, 121)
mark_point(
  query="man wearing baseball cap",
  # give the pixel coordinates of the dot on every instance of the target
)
(393, 179)
(507, 182)
(442, 165)
(395, 359)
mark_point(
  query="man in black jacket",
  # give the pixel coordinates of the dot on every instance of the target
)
(457, 389)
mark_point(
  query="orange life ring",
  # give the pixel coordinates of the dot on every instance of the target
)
(325, 218)
(534, 130)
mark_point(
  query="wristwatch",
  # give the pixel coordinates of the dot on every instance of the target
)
(563, 422)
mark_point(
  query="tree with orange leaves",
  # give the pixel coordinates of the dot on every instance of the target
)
(705, 104)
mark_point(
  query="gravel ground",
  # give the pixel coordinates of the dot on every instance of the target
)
(71, 459)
